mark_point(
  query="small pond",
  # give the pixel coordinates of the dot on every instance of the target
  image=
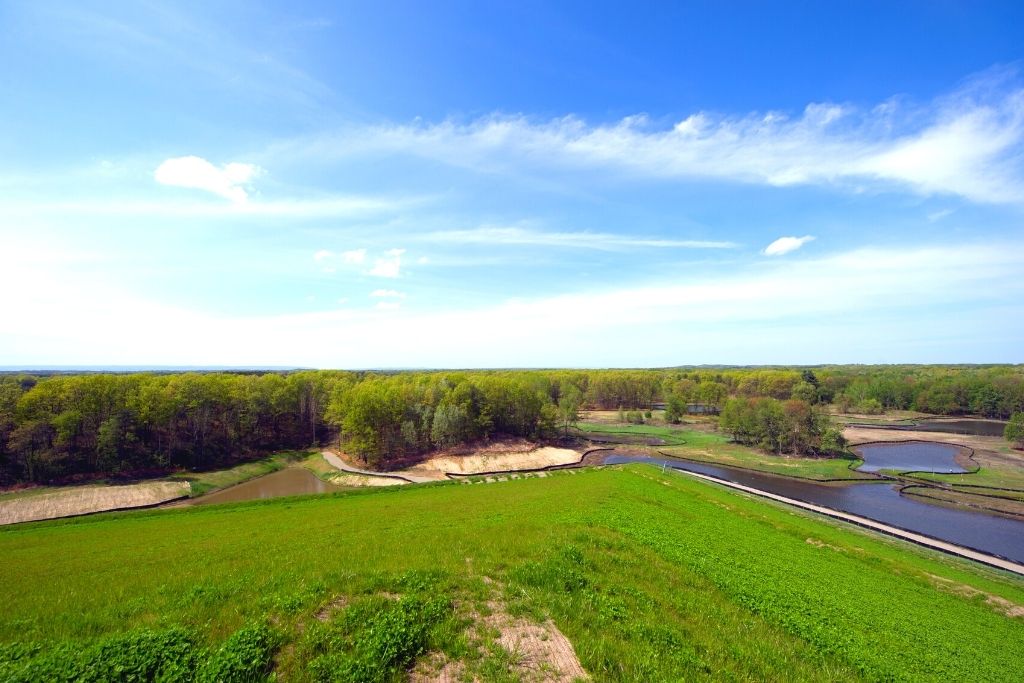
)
(291, 481)
(910, 456)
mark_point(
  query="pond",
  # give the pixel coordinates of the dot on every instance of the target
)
(291, 481)
(910, 456)
(882, 502)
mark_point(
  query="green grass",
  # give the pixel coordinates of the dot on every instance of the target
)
(652, 577)
(1003, 477)
(717, 448)
(205, 482)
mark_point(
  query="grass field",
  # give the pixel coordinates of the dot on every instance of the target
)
(651, 576)
(717, 448)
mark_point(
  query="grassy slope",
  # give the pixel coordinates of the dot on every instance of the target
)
(715, 447)
(652, 576)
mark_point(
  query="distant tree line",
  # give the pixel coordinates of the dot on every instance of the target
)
(106, 424)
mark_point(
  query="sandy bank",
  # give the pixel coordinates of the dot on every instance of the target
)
(89, 499)
(496, 458)
(501, 456)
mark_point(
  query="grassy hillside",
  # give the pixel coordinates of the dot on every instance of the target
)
(651, 576)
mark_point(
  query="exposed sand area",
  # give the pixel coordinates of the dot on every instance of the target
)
(859, 435)
(499, 456)
(87, 499)
(360, 480)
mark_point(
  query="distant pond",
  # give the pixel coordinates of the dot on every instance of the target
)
(916, 456)
(291, 481)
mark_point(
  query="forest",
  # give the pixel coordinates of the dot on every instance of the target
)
(67, 426)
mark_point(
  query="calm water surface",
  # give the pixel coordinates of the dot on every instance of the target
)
(291, 481)
(916, 456)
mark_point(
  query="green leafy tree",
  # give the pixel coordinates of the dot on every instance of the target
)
(569, 408)
(1014, 432)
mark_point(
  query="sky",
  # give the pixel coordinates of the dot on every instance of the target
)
(510, 184)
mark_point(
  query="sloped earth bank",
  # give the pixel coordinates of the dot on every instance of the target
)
(503, 456)
(89, 499)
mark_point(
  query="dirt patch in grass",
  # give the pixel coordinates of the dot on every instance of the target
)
(438, 669)
(89, 499)
(1001, 605)
(539, 652)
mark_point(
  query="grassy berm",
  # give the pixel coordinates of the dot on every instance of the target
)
(652, 576)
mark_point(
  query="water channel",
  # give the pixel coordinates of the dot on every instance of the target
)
(880, 501)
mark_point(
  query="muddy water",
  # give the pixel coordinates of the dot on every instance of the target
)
(882, 502)
(915, 456)
(291, 481)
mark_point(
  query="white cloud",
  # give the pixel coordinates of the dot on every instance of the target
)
(228, 181)
(353, 257)
(579, 240)
(389, 265)
(388, 306)
(784, 245)
(321, 255)
(388, 293)
(969, 144)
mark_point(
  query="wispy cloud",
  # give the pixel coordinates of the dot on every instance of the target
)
(387, 294)
(968, 143)
(495, 235)
(784, 245)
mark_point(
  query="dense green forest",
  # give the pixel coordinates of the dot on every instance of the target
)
(81, 425)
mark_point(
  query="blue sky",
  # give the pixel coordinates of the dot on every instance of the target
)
(511, 184)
